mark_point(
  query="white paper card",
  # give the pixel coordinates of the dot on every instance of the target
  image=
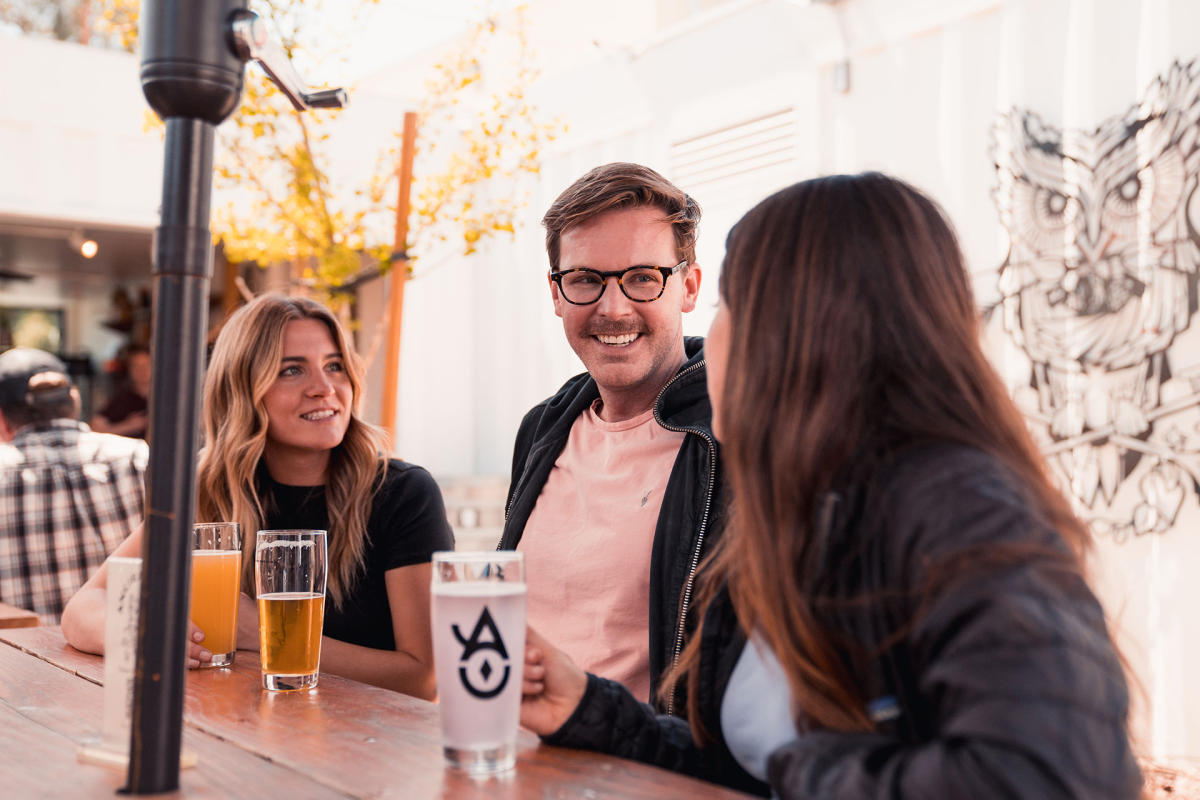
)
(120, 650)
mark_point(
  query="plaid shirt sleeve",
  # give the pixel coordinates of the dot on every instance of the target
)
(68, 497)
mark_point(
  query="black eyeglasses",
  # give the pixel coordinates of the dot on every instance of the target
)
(641, 284)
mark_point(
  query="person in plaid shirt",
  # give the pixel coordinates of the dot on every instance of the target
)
(68, 495)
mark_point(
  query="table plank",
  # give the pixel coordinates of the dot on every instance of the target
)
(47, 644)
(37, 761)
(374, 742)
(13, 617)
(370, 742)
(47, 712)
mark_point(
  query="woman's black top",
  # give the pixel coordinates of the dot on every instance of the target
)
(406, 526)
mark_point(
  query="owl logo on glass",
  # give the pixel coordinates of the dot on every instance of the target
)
(476, 674)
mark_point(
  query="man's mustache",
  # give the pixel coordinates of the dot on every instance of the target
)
(613, 330)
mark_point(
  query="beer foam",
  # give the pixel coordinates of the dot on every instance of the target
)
(289, 596)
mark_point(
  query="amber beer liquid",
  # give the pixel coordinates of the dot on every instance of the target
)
(289, 582)
(216, 580)
(214, 600)
(289, 632)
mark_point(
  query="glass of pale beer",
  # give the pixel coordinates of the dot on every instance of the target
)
(289, 580)
(216, 576)
(479, 655)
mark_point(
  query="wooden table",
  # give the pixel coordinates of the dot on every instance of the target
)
(346, 739)
(13, 617)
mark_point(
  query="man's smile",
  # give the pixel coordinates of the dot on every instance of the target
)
(618, 340)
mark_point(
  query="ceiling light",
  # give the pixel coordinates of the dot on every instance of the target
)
(86, 247)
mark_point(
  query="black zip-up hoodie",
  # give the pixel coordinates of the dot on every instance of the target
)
(688, 524)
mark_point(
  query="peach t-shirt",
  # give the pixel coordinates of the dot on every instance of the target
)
(587, 544)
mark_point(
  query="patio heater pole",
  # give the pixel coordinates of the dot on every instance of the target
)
(192, 81)
(193, 54)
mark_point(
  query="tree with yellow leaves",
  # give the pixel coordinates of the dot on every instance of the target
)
(468, 148)
(480, 136)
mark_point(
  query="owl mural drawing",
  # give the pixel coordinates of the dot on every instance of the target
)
(1099, 290)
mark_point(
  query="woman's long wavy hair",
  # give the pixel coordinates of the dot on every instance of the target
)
(852, 320)
(245, 362)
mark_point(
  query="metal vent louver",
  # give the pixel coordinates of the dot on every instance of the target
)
(735, 152)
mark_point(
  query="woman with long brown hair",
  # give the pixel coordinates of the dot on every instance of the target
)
(285, 448)
(897, 606)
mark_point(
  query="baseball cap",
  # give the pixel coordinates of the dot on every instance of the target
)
(18, 367)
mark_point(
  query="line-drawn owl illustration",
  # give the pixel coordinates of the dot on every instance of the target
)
(1100, 279)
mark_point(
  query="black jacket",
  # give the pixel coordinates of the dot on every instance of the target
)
(1005, 679)
(687, 524)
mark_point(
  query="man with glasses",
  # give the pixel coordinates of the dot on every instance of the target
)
(615, 478)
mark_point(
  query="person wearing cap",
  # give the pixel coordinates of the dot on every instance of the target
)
(68, 495)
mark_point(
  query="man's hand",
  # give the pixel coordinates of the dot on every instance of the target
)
(552, 687)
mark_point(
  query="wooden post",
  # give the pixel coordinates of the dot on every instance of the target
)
(391, 364)
(231, 295)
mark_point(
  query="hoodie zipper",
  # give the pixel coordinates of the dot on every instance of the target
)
(507, 510)
(712, 479)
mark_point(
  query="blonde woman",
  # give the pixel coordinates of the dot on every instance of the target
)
(285, 449)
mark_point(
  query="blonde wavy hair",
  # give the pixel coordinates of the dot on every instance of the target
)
(245, 362)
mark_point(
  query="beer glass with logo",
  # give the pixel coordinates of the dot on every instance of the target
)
(479, 655)
(289, 579)
(216, 576)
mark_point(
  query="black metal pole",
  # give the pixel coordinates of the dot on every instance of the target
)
(182, 272)
(192, 78)
(193, 53)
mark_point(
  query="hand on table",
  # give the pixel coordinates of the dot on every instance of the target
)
(197, 653)
(552, 687)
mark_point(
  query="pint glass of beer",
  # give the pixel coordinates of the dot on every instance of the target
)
(479, 655)
(216, 575)
(289, 579)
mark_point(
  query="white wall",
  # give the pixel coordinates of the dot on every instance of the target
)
(72, 144)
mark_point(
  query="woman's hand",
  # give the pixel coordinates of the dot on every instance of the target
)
(247, 633)
(197, 653)
(552, 687)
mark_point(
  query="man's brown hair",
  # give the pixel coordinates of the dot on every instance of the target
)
(622, 185)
